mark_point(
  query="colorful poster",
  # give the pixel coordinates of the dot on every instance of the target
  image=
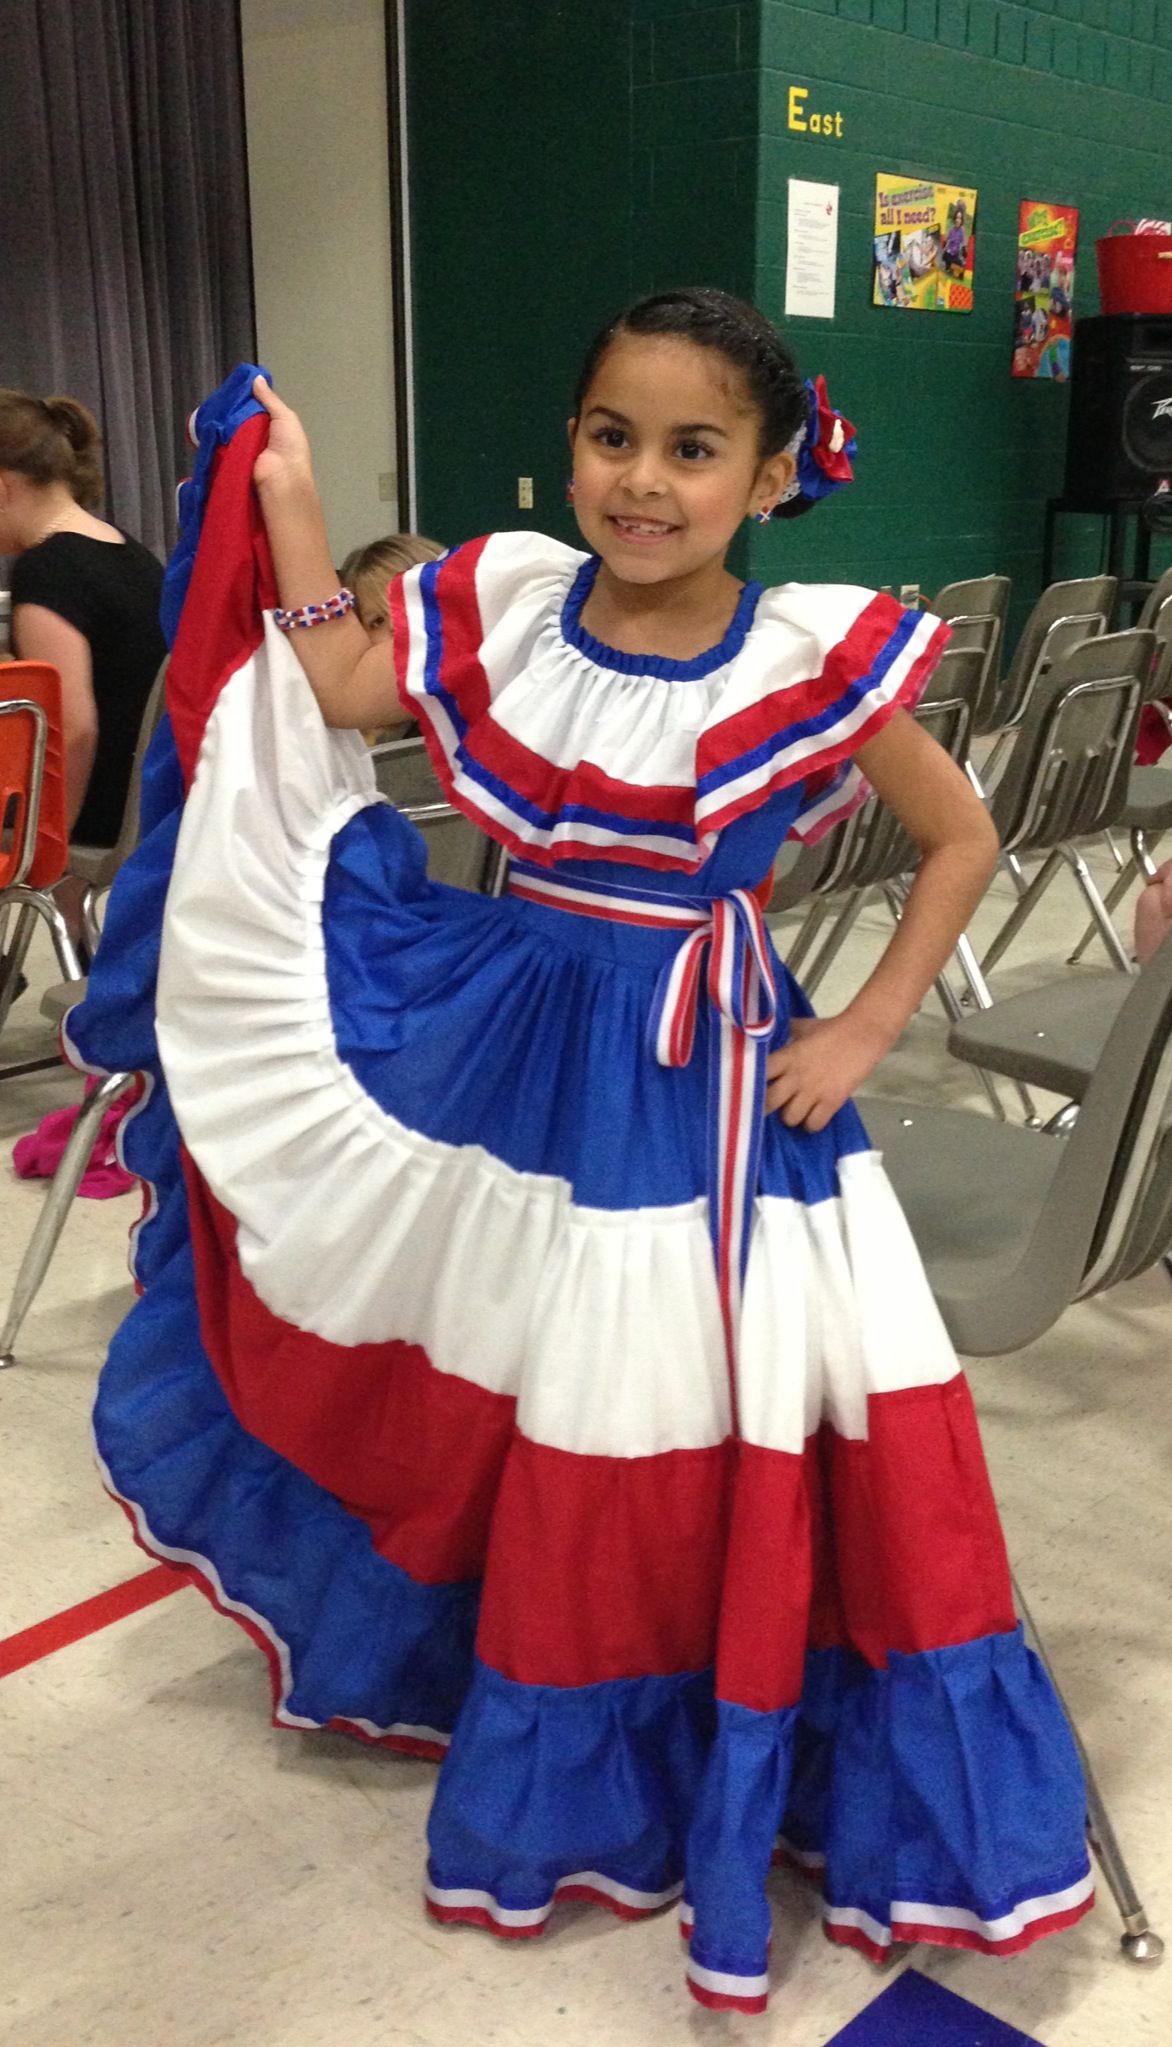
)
(1046, 240)
(924, 245)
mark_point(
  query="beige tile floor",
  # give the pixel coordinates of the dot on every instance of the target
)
(176, 1874)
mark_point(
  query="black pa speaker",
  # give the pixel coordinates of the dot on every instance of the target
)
(1119, 439)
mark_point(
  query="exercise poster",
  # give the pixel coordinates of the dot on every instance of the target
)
(1047, 237)
(924, 245)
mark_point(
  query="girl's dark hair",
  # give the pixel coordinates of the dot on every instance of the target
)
(52, 440)
(743, 336)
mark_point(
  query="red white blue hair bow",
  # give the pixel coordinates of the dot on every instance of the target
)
(822, 448)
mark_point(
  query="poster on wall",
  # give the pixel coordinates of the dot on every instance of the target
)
(924, 245)
(1046, 240)
(811, 250)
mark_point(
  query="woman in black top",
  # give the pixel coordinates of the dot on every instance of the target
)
(85, 596)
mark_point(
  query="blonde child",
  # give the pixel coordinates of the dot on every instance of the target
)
(369, 570)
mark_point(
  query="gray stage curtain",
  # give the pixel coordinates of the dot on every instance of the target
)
(125, 261)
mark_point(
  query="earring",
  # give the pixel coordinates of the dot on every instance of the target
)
(763, 517)
(570, 492)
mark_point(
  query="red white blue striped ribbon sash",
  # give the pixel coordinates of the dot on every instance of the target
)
(743, 994)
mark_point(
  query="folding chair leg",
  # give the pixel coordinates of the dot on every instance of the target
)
(1141, 862)
(1140, 853)
(1018, 915)
(978, 988)
(13, 961)
(55, 1208)
(37, 902)
(494, 875)
(1138, 1941)
(1063, 1120)
(812, 923)
(1107, 932)
(843, 925)
(896, 894)
(1002, 740)
(953, 1010)
(1016, 872)
(1115, 895)
(90, 922)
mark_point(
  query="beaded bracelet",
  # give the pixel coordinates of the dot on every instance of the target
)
(315, 614)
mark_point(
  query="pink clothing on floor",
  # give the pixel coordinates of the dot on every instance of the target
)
(37, 1156)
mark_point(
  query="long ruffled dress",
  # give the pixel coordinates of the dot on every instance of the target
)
(534, 1402)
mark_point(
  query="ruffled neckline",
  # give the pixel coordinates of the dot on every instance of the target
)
(575, 634)
(563, 748)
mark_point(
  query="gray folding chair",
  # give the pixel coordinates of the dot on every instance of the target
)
(1147, 812)
(1049, 1037)
(1064, 615)
(1014, 1225)
(976, 611)
(1068, 773)
(97, 865)
(872, 850)
(403, 770)
(870, 856)
(1157, 609)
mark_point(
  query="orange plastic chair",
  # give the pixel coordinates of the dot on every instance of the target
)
(34, 842)
(32, 776)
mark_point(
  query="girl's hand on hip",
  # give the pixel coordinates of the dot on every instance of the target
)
(826, 1059)
(286, 459)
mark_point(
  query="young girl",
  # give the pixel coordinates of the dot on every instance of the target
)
(531, 1354)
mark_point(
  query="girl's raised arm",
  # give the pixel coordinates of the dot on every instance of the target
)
(353, 681)
(827, 1058)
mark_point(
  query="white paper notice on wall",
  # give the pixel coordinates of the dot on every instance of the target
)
(811, 251)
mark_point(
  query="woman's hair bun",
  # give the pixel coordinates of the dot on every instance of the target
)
(76, 422)
(81, 469)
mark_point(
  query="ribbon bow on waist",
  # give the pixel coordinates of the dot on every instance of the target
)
(743, 994)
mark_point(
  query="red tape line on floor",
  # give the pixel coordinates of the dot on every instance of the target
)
(45, 1637)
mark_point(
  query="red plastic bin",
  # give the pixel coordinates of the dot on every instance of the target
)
(1135, 272)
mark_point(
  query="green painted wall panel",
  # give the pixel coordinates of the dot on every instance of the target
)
(566, 157)
(957, 457)
(563, 158)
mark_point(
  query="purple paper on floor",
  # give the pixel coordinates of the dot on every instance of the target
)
(915, 2012)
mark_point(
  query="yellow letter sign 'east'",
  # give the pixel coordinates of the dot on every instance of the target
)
(810, 124)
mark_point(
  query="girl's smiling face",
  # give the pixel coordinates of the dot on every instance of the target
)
(667, 458)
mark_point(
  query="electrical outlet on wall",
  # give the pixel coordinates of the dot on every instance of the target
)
(524, 493)
(388, 487)
(909, 593)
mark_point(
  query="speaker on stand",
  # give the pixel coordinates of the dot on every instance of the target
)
(1119, 435)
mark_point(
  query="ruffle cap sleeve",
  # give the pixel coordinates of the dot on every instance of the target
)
(824, 668)
(466, 624)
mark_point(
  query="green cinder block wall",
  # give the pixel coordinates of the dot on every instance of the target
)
(566, 156)
(1064, 100)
